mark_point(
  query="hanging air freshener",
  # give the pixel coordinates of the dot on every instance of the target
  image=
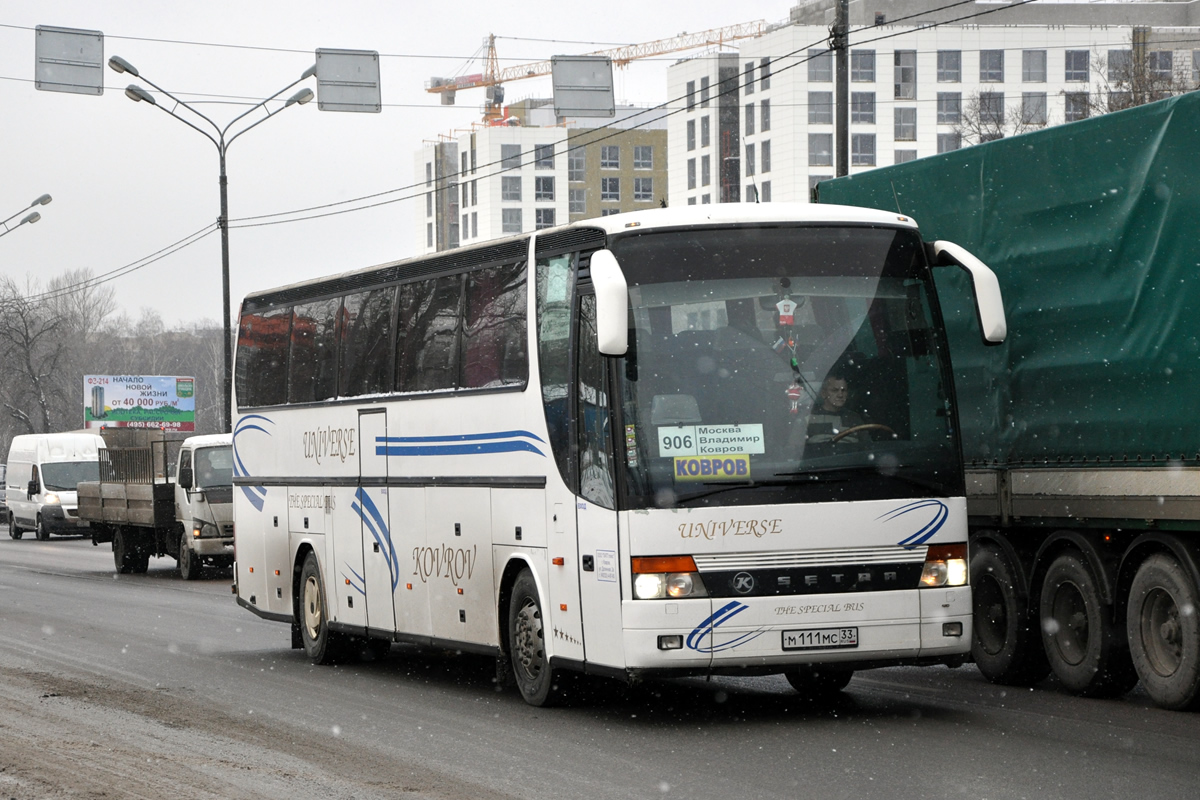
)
(794, 393)
(787, 310)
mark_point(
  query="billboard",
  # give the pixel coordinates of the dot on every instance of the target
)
(139, 401)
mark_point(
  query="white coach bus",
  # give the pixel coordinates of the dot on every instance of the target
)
(691, 441)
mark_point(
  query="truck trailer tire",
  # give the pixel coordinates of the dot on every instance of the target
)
(1006, 645)
(189, 564)
(1086, 649)
(1163, 625)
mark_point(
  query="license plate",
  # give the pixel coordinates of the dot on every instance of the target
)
(820, 638)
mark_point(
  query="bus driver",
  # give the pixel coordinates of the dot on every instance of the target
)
(830, 416)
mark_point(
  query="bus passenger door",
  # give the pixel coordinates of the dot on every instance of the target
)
(370, 509)
(596, 519)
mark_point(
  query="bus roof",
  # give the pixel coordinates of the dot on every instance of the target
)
(513, 248)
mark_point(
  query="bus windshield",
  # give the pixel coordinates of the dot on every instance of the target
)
(782, 364)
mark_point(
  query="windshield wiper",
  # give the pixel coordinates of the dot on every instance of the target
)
(728, 486)
(897, 473)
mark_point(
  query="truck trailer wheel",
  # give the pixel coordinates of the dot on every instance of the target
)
(321, 645)
(1007, 646)
(1163, 625)
(189, 564)
(1086, 649)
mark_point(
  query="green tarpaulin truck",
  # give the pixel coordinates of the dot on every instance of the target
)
(1080, 431)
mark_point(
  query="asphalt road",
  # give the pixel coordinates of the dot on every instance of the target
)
(137, 686)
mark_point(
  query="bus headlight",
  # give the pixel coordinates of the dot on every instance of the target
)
(666, 577)
(945, 565)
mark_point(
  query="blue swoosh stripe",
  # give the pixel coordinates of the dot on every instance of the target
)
(465, 449)
(376, 525)
(929, 529)
(462, 438)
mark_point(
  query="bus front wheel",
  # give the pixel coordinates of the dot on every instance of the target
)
(815, 681)
(527, 643)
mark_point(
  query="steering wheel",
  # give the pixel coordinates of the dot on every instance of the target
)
(870, 426)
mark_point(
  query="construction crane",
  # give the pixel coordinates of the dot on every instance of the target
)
(494, 78)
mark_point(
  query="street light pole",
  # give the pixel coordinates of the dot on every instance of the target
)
(30, 218)
(138, 94)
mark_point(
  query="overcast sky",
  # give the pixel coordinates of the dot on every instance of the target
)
(127, 180)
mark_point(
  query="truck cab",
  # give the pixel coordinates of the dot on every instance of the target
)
(204, 503)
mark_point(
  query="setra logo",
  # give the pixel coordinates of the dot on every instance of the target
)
(743, 583)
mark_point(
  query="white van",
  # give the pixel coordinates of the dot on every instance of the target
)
(43, 471)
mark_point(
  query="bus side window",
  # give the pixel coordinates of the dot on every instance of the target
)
(553, 277)
(594, 428)
(262, 357)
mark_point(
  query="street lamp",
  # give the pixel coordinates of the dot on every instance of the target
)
(31, 217)
(138, 95)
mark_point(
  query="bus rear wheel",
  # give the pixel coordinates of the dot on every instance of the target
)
(322, 645)
(527, 643)
(1163, 626)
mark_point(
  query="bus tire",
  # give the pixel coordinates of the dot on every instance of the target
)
(1085, 647)
(1006, 644)
(322, 645)
(527, 643)
(189, 564)
(816, 680)
(1163, 626)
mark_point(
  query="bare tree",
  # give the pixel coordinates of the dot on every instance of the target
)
(34, 346)
(1138, 75)
(987, 116)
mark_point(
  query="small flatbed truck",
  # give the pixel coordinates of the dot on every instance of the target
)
(160, 496)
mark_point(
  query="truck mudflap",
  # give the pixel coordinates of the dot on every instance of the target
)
(900, 627)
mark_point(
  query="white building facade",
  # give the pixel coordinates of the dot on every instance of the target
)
(537, 172)
(489, 183)
(914, 91)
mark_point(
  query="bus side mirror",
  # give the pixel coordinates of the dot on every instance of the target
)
(612, 304)
(989, 304)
